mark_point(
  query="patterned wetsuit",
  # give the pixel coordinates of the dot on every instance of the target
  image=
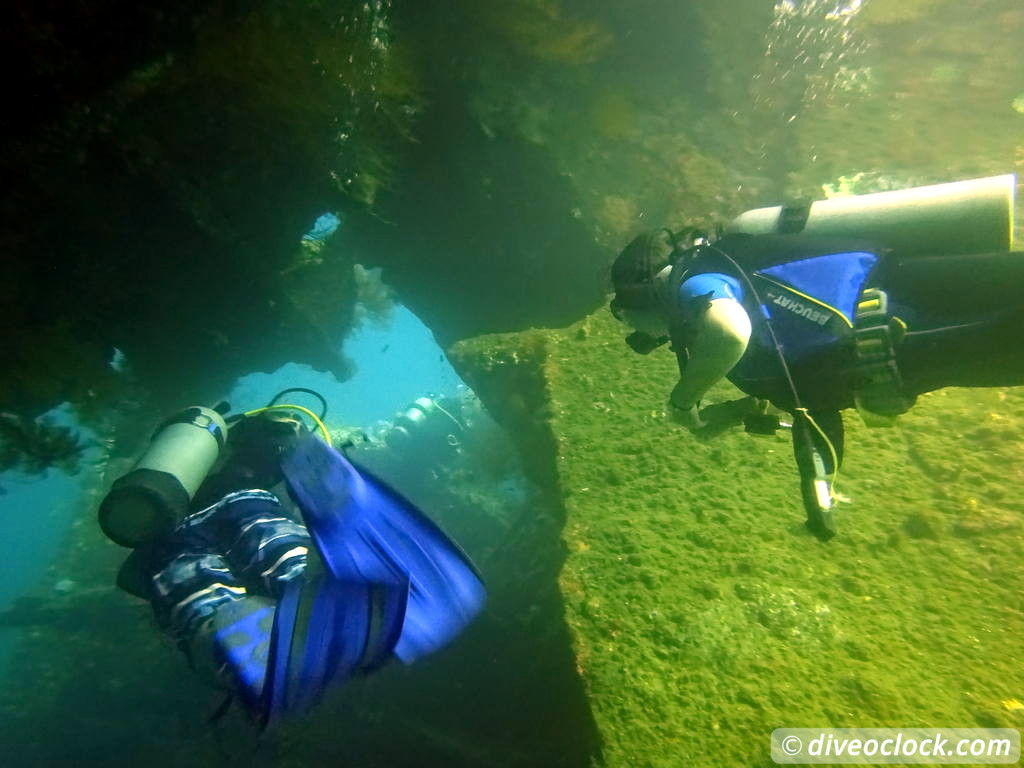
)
(246, 543)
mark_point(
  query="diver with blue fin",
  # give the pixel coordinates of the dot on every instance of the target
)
(862, 302)
(278, 566)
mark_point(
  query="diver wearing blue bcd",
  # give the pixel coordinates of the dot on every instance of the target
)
(816, 325)
(799, 294)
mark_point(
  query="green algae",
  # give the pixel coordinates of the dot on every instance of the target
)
(703, 615)
(506, 372)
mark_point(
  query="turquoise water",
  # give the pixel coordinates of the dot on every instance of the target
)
(396, 363)
(38, 512)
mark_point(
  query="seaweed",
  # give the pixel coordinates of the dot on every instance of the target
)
(33, 446)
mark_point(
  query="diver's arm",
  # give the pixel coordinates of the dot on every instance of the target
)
(719, 341)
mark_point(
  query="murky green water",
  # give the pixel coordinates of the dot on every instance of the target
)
(661, 606)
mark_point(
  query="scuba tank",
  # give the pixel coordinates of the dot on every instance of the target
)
(964, 217)
(157, 494)
(417, 413)
(425, 419)
(154, 496)
(974, 216)
(409, 421)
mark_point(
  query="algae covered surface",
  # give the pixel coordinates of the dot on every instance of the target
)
(660, 604)
(704, 616)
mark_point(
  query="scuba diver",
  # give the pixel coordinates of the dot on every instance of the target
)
(278, 566)
(857, 302)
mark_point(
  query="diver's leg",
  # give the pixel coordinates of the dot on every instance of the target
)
(983, 352)
(262, 544)
(231, 647)
(944, 287)
(818, 451)
(204, 583)
(189, 582)
(964, 316)
(221, 628)
(830, 424)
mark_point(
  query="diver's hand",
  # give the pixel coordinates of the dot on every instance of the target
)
(732, 413)
(687, 417)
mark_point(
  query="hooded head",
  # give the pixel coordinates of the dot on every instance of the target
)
(638, 279)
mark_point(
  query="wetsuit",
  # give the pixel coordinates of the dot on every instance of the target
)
(246, 543)
(962, 317)
(278, 596)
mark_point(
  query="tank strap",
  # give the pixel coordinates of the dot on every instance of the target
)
(204, 418)
(878, 393)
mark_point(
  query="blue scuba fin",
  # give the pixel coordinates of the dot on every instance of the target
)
(282, 658)
(325, 632)
(242, 632)
(366, 533)
(383, 580)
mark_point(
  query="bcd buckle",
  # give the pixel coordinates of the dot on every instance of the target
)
(878, 394)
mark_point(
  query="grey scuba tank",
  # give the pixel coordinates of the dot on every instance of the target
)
(154, 496)
(409, 422)
(973, 216)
